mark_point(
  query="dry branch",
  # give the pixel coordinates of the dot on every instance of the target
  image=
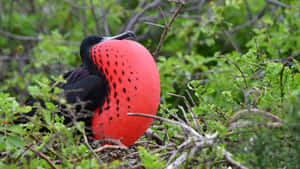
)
(166, 29)
(241, 113)
(45, 157)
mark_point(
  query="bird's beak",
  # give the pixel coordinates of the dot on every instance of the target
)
(125, 35)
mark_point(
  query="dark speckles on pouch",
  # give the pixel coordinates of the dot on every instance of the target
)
(115, 71)
(118, 108)
(129, 80)
(100, 61)
(107, 55)
(110, 118)
(106, 71)
(123, 73)
(124, 90)
(137, 78)
(116, 56)
(118, 115)
(135, 87)
(118, 101)
(100, 110)
(107, 63)
(106, 50)
(120, 80)
(114, 85)
(116, 63)
(107, 108)
(129, 106)
(110, 77)
(131, 72)
(123, 64)
(115, 94)
(128, 99)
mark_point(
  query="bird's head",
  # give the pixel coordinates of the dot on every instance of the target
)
(91, 40)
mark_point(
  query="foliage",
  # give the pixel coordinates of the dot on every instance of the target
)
(236, 62)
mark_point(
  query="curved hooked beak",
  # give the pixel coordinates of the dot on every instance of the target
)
(124, 35)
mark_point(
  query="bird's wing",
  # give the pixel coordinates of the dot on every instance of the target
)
(90, 90)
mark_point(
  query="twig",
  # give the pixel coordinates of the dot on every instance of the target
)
(248, 9)
(180, 148)
(90, 148)
(155, 24)
(184, 114)
(152, 135)
(95, 17)
(277, 3)
(104, 21)
(241, 113)
(233, 44)
(32, 38)
(114, 147)
(165, 32)
(45, 157)
(135, 18)
(77, 6)
(178, 161)
(190, 109)
(250, 22)
(239, 69)
(191, 130)
(20, 37)
(228, 157)
(281, 86)
(190, 97)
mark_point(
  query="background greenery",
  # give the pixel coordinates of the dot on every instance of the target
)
(236, 62)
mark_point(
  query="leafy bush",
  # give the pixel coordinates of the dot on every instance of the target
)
(229, 70)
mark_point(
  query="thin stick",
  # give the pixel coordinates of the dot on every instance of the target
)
(45, 157)
(228, 157)
(239, 69)
(190, 109)
(165, 32)
(102, 148)
(90, 148)
(191, 130)
(277, 3)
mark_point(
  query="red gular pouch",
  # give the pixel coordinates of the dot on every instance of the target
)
(133, 87)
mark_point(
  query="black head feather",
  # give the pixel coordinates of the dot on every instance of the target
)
(86, 45)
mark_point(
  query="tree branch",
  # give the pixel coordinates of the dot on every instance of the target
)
(165, 32)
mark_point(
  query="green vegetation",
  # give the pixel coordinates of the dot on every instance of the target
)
(236, 62)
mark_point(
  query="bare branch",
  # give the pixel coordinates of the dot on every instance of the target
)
(178, 161)
(20, 37)
(104, 21)
(241, 113)
(277, 3)
(238, 67)
(113, 147)
(152, 135)
(196, 123)
(135, 18)
(191, 130)
(233, 44)
(165, 32)
(250, 22)
(228, 157)
(45, 157)
(90, 148)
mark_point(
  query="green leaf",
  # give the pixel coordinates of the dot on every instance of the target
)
(15, 141)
